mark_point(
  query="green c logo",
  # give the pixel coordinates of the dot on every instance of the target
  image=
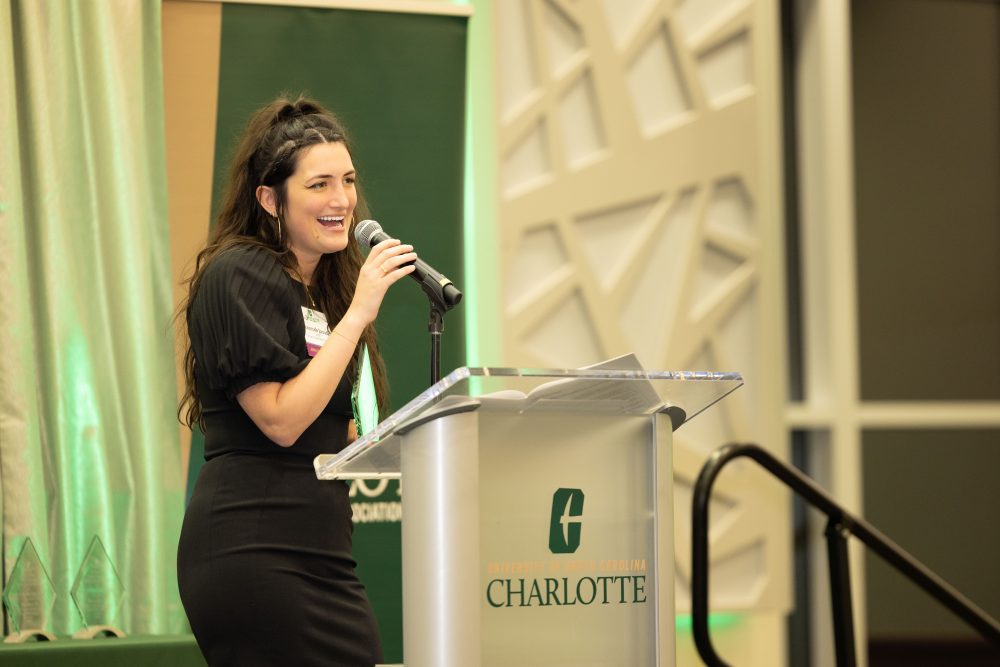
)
(564, 535)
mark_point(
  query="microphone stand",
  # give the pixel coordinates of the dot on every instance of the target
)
(435, 324)
(442, 297)
(442, 294)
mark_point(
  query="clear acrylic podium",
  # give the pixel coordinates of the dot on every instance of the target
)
(537, 512)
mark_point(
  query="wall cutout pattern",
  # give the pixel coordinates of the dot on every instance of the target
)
(638, 214)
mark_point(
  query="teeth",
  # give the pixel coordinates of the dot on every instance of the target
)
(332, 218)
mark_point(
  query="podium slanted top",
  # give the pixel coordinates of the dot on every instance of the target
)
(619, 386)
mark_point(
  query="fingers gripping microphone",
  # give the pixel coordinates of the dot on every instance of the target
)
(437, 287)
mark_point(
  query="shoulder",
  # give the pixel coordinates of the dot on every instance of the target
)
(244, 320)
(246, 277)
(246, 270)
(245, 260)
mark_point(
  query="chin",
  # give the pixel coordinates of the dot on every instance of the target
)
(330, 248)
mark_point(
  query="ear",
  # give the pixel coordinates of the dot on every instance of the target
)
(265, 196)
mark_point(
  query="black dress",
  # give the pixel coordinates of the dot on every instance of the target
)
(264, 563)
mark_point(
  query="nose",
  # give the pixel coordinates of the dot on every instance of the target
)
(338, 196)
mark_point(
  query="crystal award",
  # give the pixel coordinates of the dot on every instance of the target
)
(98, 594)
(29, 597)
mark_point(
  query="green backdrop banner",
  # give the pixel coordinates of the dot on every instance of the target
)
(398, 83)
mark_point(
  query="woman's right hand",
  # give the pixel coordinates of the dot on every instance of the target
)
(387, 262)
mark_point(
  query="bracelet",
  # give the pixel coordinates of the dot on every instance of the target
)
(352, 342)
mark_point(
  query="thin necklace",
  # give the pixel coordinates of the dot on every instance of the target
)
(312, 304)
(302, 281)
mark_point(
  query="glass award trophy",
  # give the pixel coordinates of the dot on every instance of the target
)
(98, 594)
(29, 597)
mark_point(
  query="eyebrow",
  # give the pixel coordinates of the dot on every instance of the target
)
(352, 172)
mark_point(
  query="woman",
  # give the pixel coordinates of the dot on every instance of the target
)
(279, 301)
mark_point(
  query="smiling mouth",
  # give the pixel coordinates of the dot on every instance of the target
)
(332, 221)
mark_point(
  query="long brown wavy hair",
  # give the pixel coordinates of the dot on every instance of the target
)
(268, 154)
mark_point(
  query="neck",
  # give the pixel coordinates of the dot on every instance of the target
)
(306, 265)
(307, 274)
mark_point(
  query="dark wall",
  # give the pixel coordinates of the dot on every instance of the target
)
(927, 160)
(927, 164)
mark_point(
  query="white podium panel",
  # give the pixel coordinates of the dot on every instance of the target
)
(568, 534)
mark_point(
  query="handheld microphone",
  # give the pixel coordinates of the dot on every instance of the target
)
(437, 287)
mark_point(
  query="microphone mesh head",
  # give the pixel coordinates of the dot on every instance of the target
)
(365, 230)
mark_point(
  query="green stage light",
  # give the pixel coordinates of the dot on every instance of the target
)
(715, 621)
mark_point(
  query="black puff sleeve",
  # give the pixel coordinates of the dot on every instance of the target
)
(245, 322)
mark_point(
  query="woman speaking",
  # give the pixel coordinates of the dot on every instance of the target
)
(279, 304)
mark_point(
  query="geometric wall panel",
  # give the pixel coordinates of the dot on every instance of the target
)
(535, 264)
(730, 575)
(633, 221)
(610, 238)
(696, 16)
(715, 271)
(730, 208)
(517, 78)
(582, 131)
(562, 38)
(565, 335)
(657, 87)
(707, 432)
(649, 306)
(528, 165)
(719, 507)
(738, 336)
(624, 16)
(726, 70)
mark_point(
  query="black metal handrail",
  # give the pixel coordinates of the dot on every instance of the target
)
(840, 525)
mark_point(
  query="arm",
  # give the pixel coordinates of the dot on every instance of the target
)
(283, 410)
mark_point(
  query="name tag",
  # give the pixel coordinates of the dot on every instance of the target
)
(317, 330)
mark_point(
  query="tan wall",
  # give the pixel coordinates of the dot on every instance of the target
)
(191, 34)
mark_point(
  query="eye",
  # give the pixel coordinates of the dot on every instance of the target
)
(350, 180)
(317, 185)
